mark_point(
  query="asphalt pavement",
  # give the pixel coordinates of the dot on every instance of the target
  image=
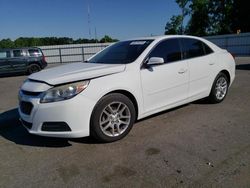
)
(195, 145)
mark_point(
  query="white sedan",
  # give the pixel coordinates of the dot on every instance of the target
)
(127, 81)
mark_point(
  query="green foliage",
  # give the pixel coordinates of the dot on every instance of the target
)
(199, 18)
(221, 16)
(46, 41)
(174, 26)
(184, 12)
(241, 16)
(6, 43)
(210, 17)
(107, 38)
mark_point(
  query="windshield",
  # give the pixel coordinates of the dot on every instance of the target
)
(121, 52)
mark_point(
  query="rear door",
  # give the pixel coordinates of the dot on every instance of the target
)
(5, 65)
(199, 67)
(19, 60)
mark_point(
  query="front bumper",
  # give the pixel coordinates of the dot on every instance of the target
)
(75, 112)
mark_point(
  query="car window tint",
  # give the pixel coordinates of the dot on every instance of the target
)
(34, 52)
(17, 53)
(207, 49)
(4, 54)
(192, 48)
(169, 50)
(121, 52)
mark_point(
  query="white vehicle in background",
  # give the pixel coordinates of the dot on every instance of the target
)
(127, 81)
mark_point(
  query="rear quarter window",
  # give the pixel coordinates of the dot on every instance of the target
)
(207, 49)
(34, 52)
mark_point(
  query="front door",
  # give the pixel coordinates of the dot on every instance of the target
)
(166, 84)
(5, 66)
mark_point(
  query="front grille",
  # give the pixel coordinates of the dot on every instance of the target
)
(26, 124)
(26, 107)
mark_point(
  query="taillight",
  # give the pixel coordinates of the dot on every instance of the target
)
(43, 59)
(233, 55)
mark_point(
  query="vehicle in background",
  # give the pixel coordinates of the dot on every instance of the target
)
(21, 60)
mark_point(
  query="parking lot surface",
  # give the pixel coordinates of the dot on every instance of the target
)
(195, 145)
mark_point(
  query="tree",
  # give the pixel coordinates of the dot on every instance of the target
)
(184, 11)
(199, 18)
(45, 41)
(221, 17)
(241, 16)
(107, 38)
(174, 25)
(6, 43)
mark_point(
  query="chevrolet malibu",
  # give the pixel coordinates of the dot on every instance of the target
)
(127, 81)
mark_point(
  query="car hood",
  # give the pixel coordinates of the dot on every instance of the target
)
(76, 71)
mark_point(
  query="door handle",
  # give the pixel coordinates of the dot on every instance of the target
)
(211, 63)
(182, 71)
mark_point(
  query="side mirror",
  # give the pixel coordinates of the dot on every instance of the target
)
(155, 61)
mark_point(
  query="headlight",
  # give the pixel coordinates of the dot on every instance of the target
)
(63, 92)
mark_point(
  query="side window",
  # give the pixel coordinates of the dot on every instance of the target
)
(34, 52)
(17, 53)
(4, 54)
(192, 48)
(169, 50)
(207, 49)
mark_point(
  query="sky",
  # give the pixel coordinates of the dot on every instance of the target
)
(120, 19)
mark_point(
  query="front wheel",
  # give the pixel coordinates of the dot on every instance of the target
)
(112, 118)
(219, 88)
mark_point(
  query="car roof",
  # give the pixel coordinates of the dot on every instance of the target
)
(25, 48)
(160, 37)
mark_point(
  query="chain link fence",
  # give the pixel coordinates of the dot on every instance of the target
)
(237, 44)
(71, 53)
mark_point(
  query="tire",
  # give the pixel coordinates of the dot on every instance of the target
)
(33, 68)
(112, 118)
(219, 89)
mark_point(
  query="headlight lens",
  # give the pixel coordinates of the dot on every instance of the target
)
(64, 92)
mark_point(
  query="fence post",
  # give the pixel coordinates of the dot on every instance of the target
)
(83, 58)
(60, 54)
(226, 43)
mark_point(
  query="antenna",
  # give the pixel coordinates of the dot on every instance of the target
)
(95, 35)
(89, 21)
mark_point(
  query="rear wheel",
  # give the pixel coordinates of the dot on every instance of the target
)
(112, 118)
(33, 68)
(219, 89)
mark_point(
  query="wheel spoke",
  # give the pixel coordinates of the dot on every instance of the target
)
(118, 107)
(124, 122)
(111, 109)
(105, 121)
(118, 128)
(124, 117)
(106, 112)
(113, 130)
(123, 108)
(218, 94)
(107, 126)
